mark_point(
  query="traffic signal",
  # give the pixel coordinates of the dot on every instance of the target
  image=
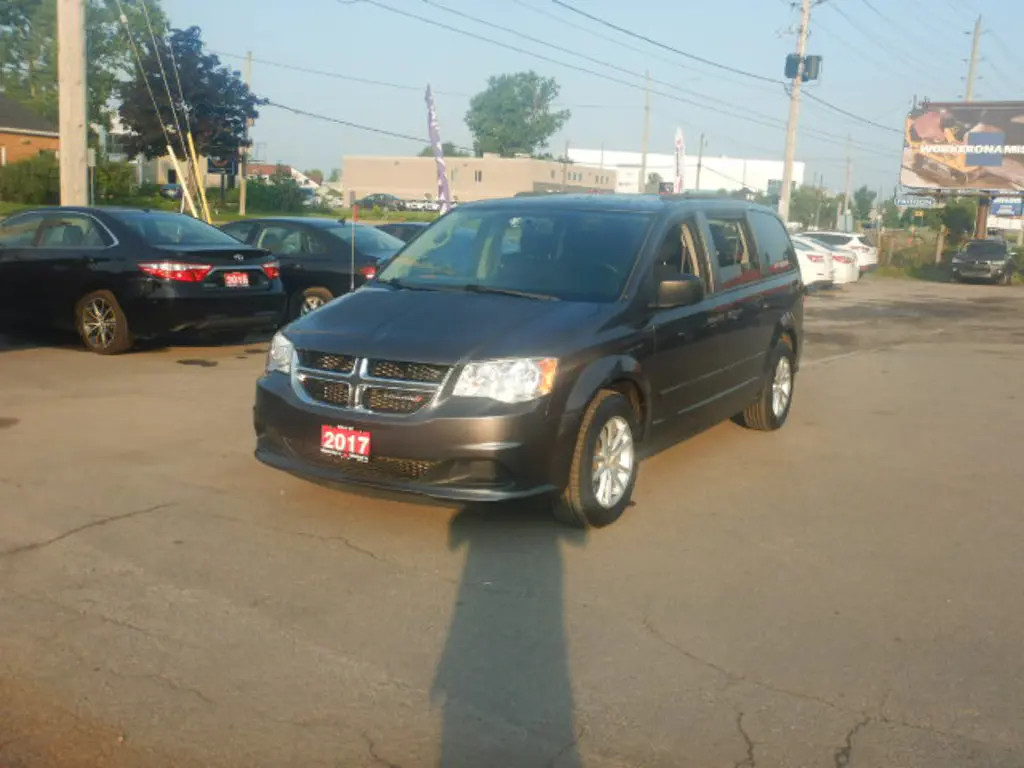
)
(812, 67)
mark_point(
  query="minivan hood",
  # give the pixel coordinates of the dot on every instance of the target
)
(442, 327)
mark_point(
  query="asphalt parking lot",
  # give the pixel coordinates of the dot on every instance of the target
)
(845, 592)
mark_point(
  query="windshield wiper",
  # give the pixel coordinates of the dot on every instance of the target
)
(477, 288)
(394, 282)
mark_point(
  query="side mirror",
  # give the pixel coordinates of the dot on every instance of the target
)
(680, 291)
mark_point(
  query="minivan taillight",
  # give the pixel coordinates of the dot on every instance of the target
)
(181, 272)
(273, 269)
(368, 272)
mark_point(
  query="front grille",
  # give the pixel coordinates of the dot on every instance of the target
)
(379, 467)
(325, 361)
(424, 373)
(327, 391)
(383, 400)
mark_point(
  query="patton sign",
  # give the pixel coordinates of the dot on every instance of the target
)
(976, 146)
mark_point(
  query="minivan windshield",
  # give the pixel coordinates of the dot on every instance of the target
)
(560, 253)
(165, 228)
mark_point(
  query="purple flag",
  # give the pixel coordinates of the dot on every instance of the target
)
(444, 193)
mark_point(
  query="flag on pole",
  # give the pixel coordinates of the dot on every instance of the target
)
(680, 160)
(444, 193)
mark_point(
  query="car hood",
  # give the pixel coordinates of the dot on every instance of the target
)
(444, 327)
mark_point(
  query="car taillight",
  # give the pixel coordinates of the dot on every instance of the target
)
(817, 258)
(843, 259)
(368, 272)
(179, 271)
(273, 270)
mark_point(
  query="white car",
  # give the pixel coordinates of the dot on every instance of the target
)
(816, 264)
(867, 254)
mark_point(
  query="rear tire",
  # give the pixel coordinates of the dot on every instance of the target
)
(310, 299)
(604, 464)
(102, 324)
(771, 408)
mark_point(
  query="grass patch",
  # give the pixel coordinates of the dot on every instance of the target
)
(935, 273)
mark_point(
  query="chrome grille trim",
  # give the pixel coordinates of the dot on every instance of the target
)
(358, 381)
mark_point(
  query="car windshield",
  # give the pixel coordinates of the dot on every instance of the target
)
(369, 240)
(162, 228)
(564, 254)
(986, 248)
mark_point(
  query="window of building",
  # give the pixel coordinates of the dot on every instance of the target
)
(737, 260)
(552, 174)
(478, 175)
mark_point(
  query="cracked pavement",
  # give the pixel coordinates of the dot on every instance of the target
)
(843, 593)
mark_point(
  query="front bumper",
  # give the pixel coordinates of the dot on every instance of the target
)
(464, 449)
(969, 271)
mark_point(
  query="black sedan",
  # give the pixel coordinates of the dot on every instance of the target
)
(116, 274)
(316, 255)
(381, 201)
(403, 230)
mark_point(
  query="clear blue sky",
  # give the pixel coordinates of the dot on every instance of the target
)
(877, 55)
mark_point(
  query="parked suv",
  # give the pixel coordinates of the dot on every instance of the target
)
(988, 260)
(528, 346)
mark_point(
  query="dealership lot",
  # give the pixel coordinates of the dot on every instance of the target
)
(845, 592)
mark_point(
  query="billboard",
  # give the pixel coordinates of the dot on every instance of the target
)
(1008, 206)
(977, 146)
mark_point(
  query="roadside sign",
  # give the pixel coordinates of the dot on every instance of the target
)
(917, 201)
(1008, 206)
(227, 166)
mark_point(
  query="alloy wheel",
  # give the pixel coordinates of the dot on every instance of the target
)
(614, 458)
(99, 322)
(782, 386)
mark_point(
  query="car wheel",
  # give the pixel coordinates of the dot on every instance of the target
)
(102, 324)
(604, 464)
(309, 300)
(771, 408)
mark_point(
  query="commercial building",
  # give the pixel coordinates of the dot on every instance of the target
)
(470, 178)
(23, 133)
(728, 173)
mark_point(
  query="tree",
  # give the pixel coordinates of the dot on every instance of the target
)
(216, 106)
(958, 216)
(514, 114)
(890, 214)
(447, 148)
(335, 175)
(28, 51)
(863, 201)
(653, 185)
(315, 175)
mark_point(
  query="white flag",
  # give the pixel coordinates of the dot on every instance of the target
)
(680, 160)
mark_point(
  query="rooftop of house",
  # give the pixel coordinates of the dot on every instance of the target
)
(15, 117)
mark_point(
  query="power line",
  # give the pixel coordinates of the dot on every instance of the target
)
(637, 35)
(873, 39)
(774, 122)
(843, 112)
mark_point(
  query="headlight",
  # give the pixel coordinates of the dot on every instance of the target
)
(279, 358)
(958, 258)
(508, 381)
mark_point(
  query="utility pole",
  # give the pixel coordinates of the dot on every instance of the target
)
(73, 116)
(647, 134)
(700, 160)
(565, 166)
(244, 160)
(849, 185)
(794, 113)
(972, 69)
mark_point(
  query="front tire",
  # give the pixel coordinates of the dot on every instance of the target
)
(771, 408)
(604, 464)
(102, 324)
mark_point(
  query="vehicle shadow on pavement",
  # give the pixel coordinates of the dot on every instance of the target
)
(504, 677)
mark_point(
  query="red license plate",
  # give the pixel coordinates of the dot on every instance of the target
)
(236, 279)
(345, 442)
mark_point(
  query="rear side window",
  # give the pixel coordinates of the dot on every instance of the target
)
(773, 245)
(72, 232)
(20, 231)
(734, 252)
(240, 230)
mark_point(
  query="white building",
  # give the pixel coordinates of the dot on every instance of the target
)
(728, 173)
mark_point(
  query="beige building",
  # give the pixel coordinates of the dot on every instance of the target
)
(470, 178)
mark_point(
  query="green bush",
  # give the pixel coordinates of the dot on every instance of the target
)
(35, 181)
